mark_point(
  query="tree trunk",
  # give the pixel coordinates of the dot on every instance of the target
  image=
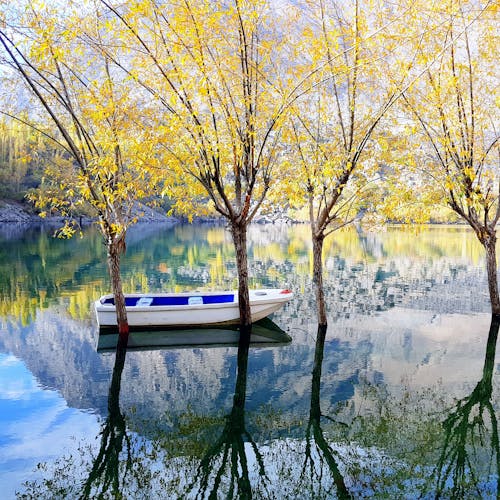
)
(491, 268)
(115, 249)
(239, 233)
(317, 241)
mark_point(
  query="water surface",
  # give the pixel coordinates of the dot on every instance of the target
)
(380, 405)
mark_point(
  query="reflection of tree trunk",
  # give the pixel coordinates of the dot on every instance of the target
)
(240, 391)
(236, 431)
(326, 452)
(105, 473)
(315, 408)
(466, 430)
(228, 455)
(317, 240)
(491, 268)
(115, 250)
(239, 233)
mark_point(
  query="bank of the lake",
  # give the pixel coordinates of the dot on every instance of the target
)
(17, 213)
(14, 212)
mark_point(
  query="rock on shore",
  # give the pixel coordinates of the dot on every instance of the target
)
(13, 212)
(16, 213)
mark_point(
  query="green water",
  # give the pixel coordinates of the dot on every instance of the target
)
(397, 399)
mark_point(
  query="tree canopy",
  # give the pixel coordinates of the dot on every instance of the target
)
(216, 105)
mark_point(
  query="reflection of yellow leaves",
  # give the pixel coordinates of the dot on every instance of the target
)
(297, 246)
(217, 269)
(177, 250)
(399, 244)
(216, 237)
(163, 268)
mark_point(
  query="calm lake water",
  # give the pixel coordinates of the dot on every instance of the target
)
(399, 399)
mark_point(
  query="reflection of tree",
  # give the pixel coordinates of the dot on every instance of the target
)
(467, 432)
(104, 476)
(228, 455)
(316, 458)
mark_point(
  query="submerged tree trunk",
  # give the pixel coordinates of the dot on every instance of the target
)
(317, 240)
(239, 233)
(491, 268)
(115, 250)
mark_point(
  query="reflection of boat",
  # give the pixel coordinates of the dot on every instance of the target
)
(189, 309)
(264, 332)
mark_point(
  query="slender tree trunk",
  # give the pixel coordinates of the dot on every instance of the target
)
(239, 233)
(491, 268)
(115, 250)
(317, 241)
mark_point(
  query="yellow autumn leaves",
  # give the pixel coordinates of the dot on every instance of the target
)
(232, 107)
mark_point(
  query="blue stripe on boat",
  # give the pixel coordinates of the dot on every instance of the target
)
(177, 301)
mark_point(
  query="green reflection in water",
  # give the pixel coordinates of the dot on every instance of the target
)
(37, 270)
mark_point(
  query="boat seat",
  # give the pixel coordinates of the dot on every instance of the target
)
(144, 301)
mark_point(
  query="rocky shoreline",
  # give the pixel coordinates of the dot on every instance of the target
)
(16, 213)
(13, 212)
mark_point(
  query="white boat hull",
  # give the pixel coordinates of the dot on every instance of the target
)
(195, 313)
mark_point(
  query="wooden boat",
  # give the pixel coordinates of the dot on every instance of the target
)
(264, 333)
(189, 308)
